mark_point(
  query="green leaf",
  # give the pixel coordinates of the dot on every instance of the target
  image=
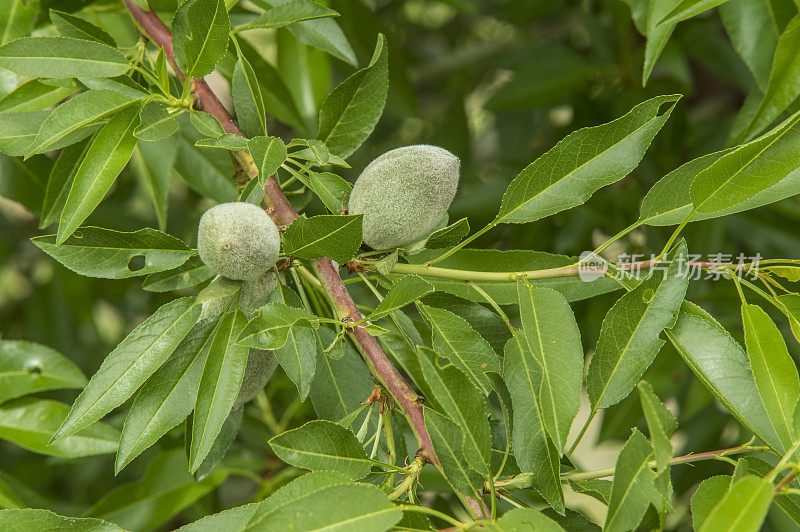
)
(749, 170)
(269, 153)
(17, 18)
(154, 162)
(33, 95)
(720, 363)
(657, 36)
(339, 385)
(229, 141)
(322, 445)
(337, 237)
(18, 129)
(168, 395)
(633, 489)
(24, 181)
(707, 496)
(30, 423)
(743, 508)
(137, 357)
(447, 438)
(73, 120)
(46, 520)
(687, 9)
(109, 254)
(26, 367)
(219, 387)
(226, 437)
(791, 304)
(270, 326)
(669, 201)
(774, 371)
(405, 291)
(534, 450)
(456, 340)
(323, 34)
(463, 403)
(522, 519)
(200, 36)
(163, 492)
(629, 338)
(108, 154)
(311, 502)
(247, 100)
(79, 28)
(155, 122)
(660, 422)
(190, 273)
(298, 357)
(332, 190)
(289, 13)
(583, 162)
(552, 348)
(59, 57)
(448, 236)
(208, 172)
(349, 113)
(782, 86)
(60, 181)
(754, 31)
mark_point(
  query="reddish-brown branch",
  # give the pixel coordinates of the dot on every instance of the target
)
(283, 213)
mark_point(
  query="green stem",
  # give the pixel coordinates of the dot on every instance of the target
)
(784, 461)
(490, 225)
(494, 305)
(675, 235)
(525, 480)
(604, 245)
(582, 432)
(431, 511)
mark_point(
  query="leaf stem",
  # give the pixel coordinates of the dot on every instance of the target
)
(602, 247)
(582, 432)
(487, 227)
(494, 305)
(431, 511)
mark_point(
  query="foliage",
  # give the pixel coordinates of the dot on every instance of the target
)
(489, 375)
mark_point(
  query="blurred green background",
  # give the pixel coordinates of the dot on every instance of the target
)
(497, 83)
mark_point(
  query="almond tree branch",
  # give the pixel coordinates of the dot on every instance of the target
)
(283, 213)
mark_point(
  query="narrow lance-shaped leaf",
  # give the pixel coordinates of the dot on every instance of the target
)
(298, 357)
(46, 520)
(30, 423)
(456, 340)
(190, 273)
(405, 291)
(60, 181)
(534, 450)
(18, 129)
(219, 387)
(26, 367)
(754, 31)
(749, 170)
(337, 237)
(247, 99)
(322, 445)
(269, 327)
(79, 28)
(583, 162)
(137, 357)
(629, 338)
(465, 404)
(448, 236)
(447, 438)
(773, 369)
(633, 489)
(109, 152)
(109, 254)
(349, 113)
(332, 190)
(660, 424)
(72, 120)
(200, 32)
(168, 396)
(33, 95)
(782, 88)
(155, 122)
(154, 162)
(687, 9)
(289, 13)
(720, 363)
(60, 57)
(552, 341)
(744, 508)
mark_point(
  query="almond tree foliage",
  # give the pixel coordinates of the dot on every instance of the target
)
(465, 381)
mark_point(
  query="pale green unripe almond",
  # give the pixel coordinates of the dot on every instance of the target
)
(254, 295)
(404, 193)
(261, 365)
(238, 240)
